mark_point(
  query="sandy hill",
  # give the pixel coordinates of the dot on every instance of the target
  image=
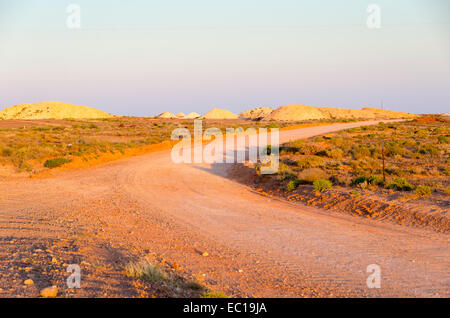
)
(344, 113)
(296, 112)
(383, 113)
(166, 115)
(256, 113)
(192, 115)
(303, 112)
(180, 115)
(51, 110)
(216, 113)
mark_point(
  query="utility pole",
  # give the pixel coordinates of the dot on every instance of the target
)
(382, 149)
(382, 158)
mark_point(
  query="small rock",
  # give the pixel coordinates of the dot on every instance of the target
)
(175, 266)
(28, 282)
(205, 254)
(49, 292)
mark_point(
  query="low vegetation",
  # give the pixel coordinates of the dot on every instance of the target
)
(32, 145)
(414, 155)
(146, 271)
(213, 295)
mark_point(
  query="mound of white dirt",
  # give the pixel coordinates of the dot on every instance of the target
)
(192, 115)
(304, 112)
(166, 115)
(296, 113)
(51, 110)
(256, 113)
(216, 113)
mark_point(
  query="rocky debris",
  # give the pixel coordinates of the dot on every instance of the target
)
(256, 113)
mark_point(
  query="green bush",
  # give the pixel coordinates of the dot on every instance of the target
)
(423, 190)
(322, 185)
(393, 149)
(213, 295)
(399, 184)
(6, 152)
(359, 180)
(443, 140)
(292, 185)
(361, 151)
(57, 162)
(373, 180)
(428, 149)
(284, 172)
(335, 153)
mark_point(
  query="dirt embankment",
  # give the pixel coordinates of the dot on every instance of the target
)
(341, 200)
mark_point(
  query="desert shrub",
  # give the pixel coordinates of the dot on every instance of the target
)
(213, 295)
(284, 172)
(447, 170)
(310, 175)
(292, 185)
(57, 162)
(6, 152)
(310, 162)
(375, 180)
(393, 149)
(335, 153)
(145, 271)
(359, 180)
(302, 147)
(322, 185)
(272, 125)
(361, 151)
(447, 190)
(423, 190)
(428, 149)
(355, 193)
(194, 285)
(443, 139)
(399, 184)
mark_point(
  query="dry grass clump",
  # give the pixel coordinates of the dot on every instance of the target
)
(213, 295)
(311, 174)
(145, 270)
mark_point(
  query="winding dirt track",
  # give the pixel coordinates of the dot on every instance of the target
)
(257, 246)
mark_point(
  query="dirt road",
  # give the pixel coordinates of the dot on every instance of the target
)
(257, 246)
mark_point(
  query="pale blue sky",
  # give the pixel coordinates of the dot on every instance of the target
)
(136, 57)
